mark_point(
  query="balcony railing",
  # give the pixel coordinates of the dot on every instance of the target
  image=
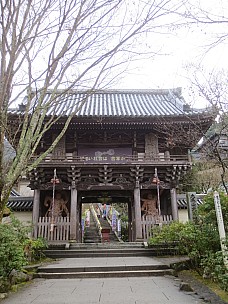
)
(124, 159)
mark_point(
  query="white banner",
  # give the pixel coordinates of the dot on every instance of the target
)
(222, 233)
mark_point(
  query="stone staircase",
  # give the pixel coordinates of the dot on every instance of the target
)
(105, 225)
(96, 259)
(103, 260)
(112, 249)
(91, 233)
(82, 250)
(103, 271)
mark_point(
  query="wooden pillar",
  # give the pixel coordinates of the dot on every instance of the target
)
(79, 220)
(138, 218)
(173, 194)
(73, 214)
(35, 211)
(130, 221)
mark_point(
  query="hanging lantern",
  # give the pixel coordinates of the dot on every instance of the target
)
(155, 180)
(55, 181)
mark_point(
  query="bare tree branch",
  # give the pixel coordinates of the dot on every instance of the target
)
(49, 48)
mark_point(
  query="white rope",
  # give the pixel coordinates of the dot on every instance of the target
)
(53, 202)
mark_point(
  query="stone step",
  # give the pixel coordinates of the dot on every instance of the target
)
(92, 241)
(105, 249)
(119, 245)
(106, 268)
(106, 252)
(91, 234)
(104, 274)
(91, 228)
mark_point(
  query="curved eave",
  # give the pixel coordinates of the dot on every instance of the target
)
(149, 119)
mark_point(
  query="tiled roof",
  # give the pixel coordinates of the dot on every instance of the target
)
(20, 203)
(182, 203)
(122, 103)
(26, 203)
(14, 193)
(182, 200)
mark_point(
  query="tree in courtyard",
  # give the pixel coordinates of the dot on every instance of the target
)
(204, 177)
(212, 87)
(49, 48)
(208, 19)
(207, 22)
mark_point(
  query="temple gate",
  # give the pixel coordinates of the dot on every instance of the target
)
(130, 145)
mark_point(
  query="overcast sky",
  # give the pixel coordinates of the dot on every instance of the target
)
(175, 47)
(186, 46)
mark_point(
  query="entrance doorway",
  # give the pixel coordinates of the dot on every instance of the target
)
(112, 208)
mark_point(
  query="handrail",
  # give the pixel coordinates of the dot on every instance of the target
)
(114, 231)
(94, 214)
(85, 159)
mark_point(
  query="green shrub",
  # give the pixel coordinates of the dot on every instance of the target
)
(16, 248)
(214, 269)
(166, 233)
(193, 240)
(206, 212)
(11, 250)
(34, 249)
(184, 235)
(199, 240)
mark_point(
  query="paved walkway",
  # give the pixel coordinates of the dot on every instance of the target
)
(133, 290)
(141, 290)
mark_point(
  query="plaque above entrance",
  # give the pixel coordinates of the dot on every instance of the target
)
(104, 155)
